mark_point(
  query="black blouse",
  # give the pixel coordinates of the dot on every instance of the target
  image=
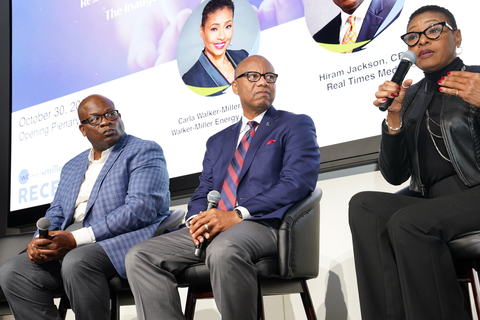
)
(431, 148)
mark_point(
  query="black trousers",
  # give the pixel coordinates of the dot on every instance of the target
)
(403, 264)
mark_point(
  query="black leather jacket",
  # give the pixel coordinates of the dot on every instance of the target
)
(460, 125)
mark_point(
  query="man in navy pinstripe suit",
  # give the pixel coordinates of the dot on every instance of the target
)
(278, 168)
(109, 198)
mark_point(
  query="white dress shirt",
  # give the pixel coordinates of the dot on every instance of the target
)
(85, 235)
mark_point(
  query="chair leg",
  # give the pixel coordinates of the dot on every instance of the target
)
(260, 310)
(475, 288)
(114, 307)
(63, 307)
(307, 301)
(466, 298)
(190, 304)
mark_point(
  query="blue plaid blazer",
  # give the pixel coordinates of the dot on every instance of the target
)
(129, 199)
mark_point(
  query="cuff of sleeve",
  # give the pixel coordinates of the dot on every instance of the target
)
(245, 213)
(84, 236)
(187, 223)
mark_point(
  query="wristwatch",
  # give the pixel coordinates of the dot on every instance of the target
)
(240, 215)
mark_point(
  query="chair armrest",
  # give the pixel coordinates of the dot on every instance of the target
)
(172, 221)
(299, 238)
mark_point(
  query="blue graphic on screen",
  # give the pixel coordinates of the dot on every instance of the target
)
(23, 176)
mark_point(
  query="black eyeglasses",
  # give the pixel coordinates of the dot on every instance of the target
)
(433, 32)
(254, 76)
(96, 120)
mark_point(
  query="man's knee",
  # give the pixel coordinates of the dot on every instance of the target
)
(8, 273)
(139, 258)
(73, 263)
(133, 257)
(223, 251)
(82, 261)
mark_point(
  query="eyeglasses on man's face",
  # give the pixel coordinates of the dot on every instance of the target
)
(96, 120)
(433, 32)
(254, 76)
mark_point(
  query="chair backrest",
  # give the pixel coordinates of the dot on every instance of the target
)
(172, 221)
(299, 238)
(11, 245)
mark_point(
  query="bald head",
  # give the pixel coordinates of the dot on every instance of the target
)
(95, 99)
(105, 133)
(243, 66)
(255, 97)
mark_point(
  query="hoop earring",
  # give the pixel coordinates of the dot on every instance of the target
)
(459, 51)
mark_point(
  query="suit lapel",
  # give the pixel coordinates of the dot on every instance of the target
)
(112, 158)
(264, 129)
(372, 21)
(212, 72)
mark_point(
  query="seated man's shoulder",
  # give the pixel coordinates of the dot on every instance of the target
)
(138, 143)
(294, 117)
(82, 156)
(221, 133)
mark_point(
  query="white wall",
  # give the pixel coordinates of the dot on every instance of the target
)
(334, 292)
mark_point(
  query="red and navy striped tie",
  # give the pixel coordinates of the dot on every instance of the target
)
(230, 184)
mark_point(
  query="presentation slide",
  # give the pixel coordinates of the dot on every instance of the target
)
(152, 58)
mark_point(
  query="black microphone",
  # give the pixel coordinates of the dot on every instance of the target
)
(407, 59)
(43, 224)
(213, 198)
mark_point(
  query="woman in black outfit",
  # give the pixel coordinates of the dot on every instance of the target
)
(431, 135)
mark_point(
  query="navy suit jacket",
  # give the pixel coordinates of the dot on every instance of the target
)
(376, 13)
(280, 167)
(128, 201)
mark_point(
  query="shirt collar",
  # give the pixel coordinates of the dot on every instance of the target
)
(257, 119)
(103, 158)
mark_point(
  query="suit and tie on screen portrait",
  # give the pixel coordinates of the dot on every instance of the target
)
(358, 21)
(261, 166)
(109, 198)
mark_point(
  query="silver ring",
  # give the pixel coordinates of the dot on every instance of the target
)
(456, 93)
(206, 227)
(404, 86)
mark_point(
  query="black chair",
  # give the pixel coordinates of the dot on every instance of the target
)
(465, 250)
(10, 246)
(296, 262)
(120, 293)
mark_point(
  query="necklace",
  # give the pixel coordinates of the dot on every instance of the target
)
(435, 135)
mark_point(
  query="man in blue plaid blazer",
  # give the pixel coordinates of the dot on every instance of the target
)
(109, 198)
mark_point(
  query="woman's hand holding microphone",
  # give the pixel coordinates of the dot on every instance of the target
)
(390, 89)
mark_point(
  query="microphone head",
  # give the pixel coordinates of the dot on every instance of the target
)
(43, 223)
(214, 196)
(409, 56)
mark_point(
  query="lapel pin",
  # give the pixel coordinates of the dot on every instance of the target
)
(267, 124)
